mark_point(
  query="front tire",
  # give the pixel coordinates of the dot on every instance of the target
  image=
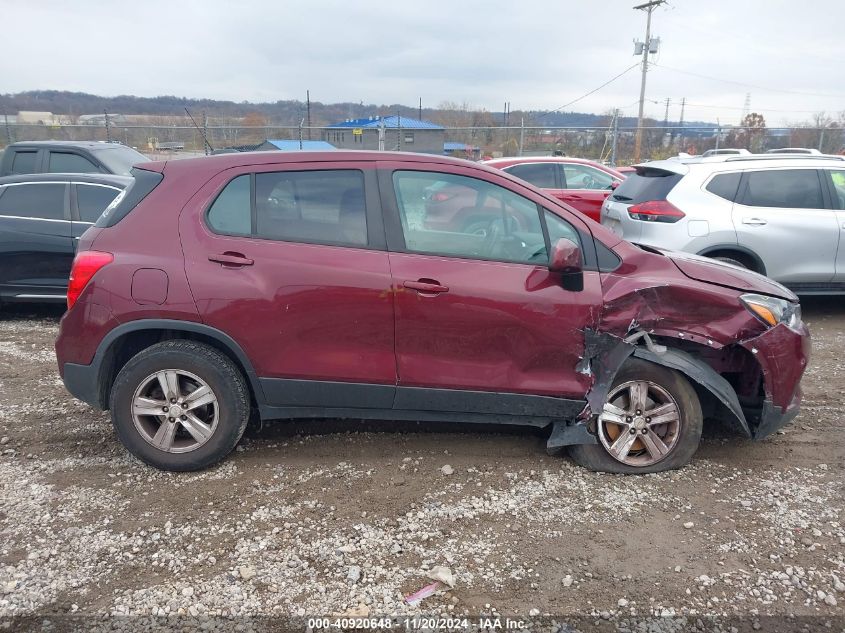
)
(651, 422)
(732, 261)
(180, 405)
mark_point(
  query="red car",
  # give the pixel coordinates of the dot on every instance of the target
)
(582, 184)
(307, 285)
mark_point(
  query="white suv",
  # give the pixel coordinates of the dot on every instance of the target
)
(781, 216)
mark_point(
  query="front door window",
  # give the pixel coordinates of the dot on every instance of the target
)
(457, 216)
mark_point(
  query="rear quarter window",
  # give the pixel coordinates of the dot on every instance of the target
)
(725, 185)
(645, 185)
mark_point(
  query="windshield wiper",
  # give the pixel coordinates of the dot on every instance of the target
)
(621, 198)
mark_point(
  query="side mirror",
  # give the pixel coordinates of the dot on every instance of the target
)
(614, 184)
(566, 257)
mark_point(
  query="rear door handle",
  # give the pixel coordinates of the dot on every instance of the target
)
(426, 286)
(753, 221)
(231, 259)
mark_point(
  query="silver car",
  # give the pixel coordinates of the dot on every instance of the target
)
(779, 215)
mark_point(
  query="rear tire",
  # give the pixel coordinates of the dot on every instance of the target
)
(206, 391)
(665, 389)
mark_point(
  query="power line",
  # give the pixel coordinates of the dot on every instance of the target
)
(747, 85)
(584, 96)
(724, 107)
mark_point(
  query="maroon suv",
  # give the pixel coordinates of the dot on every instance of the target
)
(309, 285)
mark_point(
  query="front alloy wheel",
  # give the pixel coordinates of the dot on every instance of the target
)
(651, 421)
(639, 424)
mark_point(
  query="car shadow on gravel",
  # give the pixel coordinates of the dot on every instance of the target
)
(31, 311)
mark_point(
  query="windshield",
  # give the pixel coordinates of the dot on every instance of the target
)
(120, 159)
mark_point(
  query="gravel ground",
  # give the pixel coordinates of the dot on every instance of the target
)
(331, 518)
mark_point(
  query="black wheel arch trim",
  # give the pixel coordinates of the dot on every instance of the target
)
(85, 382)
(761, 267)
(605, 354)
(701, 374)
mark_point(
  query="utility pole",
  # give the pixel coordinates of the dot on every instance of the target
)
(718, 133)
(308, 111)
(108, 129)
(521, 134)
(681, 122)
(398, 132)
(649, 8)
(420, 116)
(205, 131)
(615, 137)
(8, 130)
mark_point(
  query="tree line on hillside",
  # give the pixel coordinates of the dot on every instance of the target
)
(293, 112)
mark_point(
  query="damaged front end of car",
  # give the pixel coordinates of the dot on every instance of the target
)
(744, 354)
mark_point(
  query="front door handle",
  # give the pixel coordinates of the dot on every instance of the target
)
(231, 259)
(753, 221)
(426, 286)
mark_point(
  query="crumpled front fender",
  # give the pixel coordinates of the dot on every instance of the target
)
(702, 374)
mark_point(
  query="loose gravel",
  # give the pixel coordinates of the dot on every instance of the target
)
(333, 518)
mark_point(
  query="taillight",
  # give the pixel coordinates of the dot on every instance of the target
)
(85, 266)
(655, 211)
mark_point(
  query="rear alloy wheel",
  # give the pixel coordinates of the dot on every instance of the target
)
(180, 405)
(175, 411)
(651, 421)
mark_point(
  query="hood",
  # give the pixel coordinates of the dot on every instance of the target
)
(722, 274)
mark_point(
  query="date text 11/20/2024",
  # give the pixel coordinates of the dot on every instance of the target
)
(418, 623)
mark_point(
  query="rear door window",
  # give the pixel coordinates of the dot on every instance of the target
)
(325, 207)
(725, 185)
(538, 174)
(92, 200)
(23, 162)
(320, 206)
(645, 185)
(783, 188)
(69, 163)
(45, 201)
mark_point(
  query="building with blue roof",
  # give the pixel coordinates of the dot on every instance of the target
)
(289, 146)
(387, 133)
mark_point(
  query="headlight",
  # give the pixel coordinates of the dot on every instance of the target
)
(771, 310)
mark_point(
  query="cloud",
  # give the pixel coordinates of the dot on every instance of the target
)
(537, 54)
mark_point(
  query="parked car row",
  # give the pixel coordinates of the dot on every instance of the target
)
(51, 192)
(42, 216)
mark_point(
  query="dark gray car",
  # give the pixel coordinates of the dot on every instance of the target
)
(42, 217)
(63, 157)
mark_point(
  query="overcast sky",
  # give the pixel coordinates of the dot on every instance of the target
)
(537, 54)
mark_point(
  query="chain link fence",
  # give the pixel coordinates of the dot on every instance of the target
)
(597, 143)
